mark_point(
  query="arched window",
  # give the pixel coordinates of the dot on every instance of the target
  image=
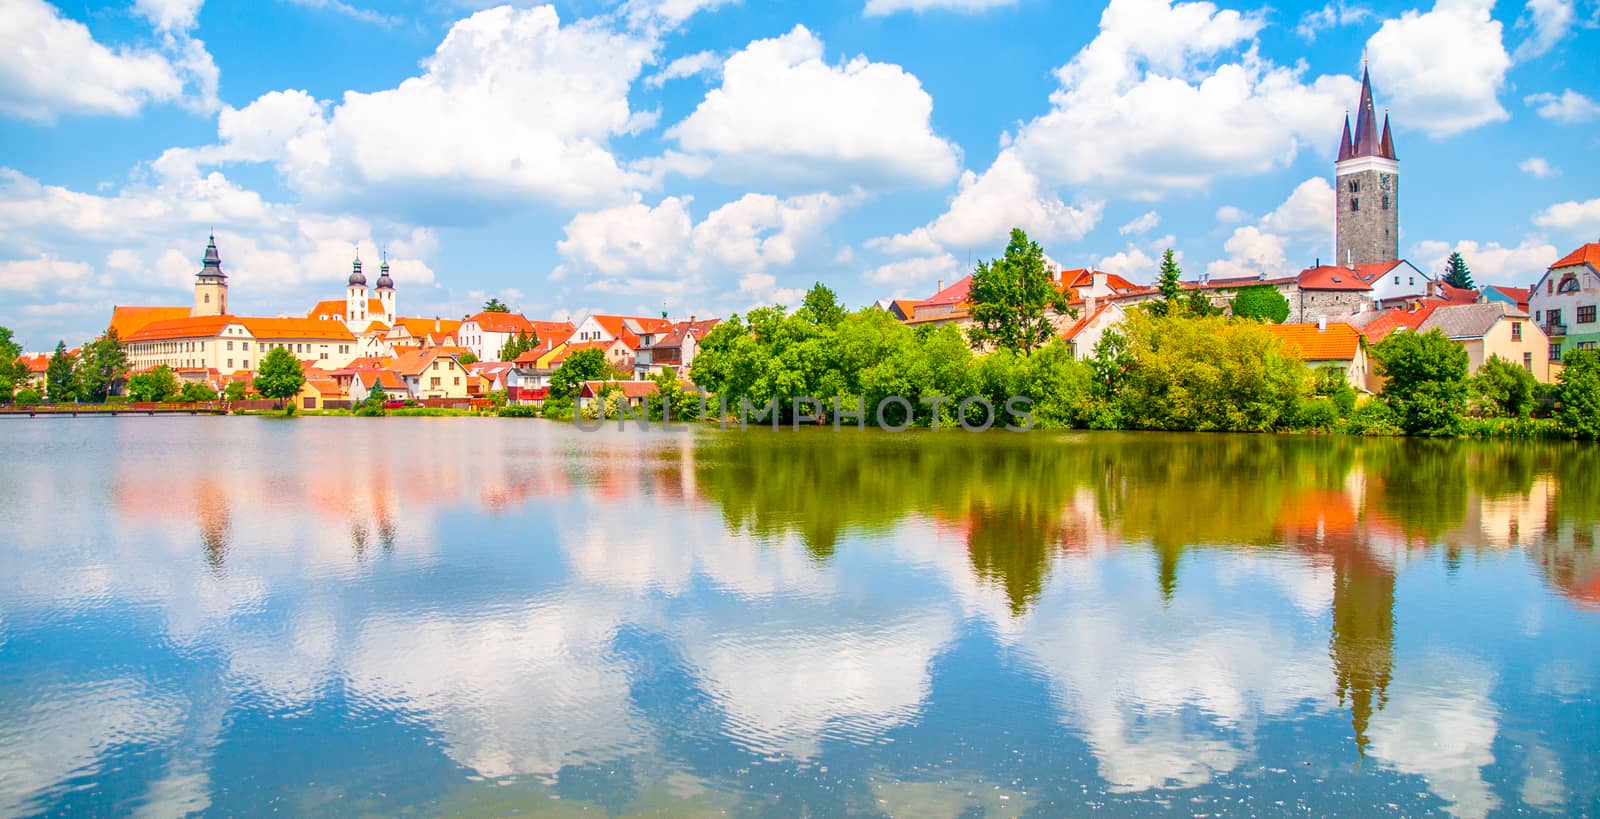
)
(1569, 284)
(1355, 203)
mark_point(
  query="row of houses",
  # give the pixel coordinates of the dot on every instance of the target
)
(1335, 312)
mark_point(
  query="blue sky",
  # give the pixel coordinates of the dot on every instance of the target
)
(713, 155)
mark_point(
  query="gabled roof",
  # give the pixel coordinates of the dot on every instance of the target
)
(1331, 277)
(1468, 321)
(182, 328)
(563, 353)
(1455, 295)
(1518, 295)
(954, 294)
(552, 333)
(1084, 322)
(413, 362)
(630, 389)
(387, 379)
(129, 320)
(420, 327)
(684, 329)
(621, 326)
(1338, 342)
(272, 328)
(1084, 277)
(491, 322)
(1383, 323)
(1588, 254)
(335, 309)
(37, 364)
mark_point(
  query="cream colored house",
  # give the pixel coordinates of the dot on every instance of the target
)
(432, 374)
(1494, 328)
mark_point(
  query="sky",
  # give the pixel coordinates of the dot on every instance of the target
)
(709, 156)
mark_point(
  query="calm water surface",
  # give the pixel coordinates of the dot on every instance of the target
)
(482, 617)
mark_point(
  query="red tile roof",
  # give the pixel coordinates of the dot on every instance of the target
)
(954, 294)
(562, 354)
(1338, 342)
(490, 322)
(421, 327)
(1589, 254)
(37, 364)
(129, 320)
(388, 379)
(275, 328)
(181, 328)
(1331, 277)
(1518, 295)
(630, 389)
(1391, 320)
(1084, 321)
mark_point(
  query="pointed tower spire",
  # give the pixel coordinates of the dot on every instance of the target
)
(1386, 145)
(1366, 135)
(211, 263)
(1347, 148)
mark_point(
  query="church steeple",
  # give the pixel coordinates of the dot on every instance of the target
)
(211, 262)
(1366, 136)
(1386, 145)
(210, 284)
(1367, 186)
(1347, 148)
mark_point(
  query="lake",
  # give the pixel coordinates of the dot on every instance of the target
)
(466, 616)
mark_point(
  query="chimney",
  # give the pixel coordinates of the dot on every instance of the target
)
(1350, 258)
(940, 288)
(1088, 306)
(1322, 324)
(436, 324)
(1319, 262)
(691, 319)
(1097, 282)
(1261, 276)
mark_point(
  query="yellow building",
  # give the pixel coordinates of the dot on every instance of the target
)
(1494, 329)
(432, 374)
(231, 343)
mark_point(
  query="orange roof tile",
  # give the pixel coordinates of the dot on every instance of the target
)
(562, 354)
(1331, 277)
(502, 322)
(129, 320)
(1083, 322)
(182, 328)
(954, 294)
(1589, 254)
(1339, 342)
(1401, 319)
(630, 389)
(275, 328)
(421, 327)
(388, 379)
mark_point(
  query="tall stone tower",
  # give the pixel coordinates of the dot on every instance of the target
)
(210, 284)
(1367, 189)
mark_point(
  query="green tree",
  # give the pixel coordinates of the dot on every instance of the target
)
(27, 397)
(1427, 381)
(235, 390)
(1262, 302)
(495, 306)
(1208, 374)
(1169, 282)
(158, 384)
(518, 344)
(467, 358)
(1010, 295)
(1456, 273)
(280, 376)
(102, 364)
(821, 306)
(372, 405)
(1578, 395)
(59, 379)
(195, 391)
(12, 371)
(1504, 389)
(584, 365)
(1199, 305)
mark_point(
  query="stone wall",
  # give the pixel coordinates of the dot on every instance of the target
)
(1371, 232)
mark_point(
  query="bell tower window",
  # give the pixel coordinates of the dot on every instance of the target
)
(1355, 204)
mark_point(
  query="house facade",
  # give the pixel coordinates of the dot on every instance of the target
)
(432, 374)
(1564, 301)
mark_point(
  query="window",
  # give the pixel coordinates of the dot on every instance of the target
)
(1527, 362)
(1538, 316)
(1552, 317)
(1555, 352)
(230, 346)
(1549, 287)
(1569, 284)
(208, 298)
(1355, 186)
(458, 380)
(246, 364)
(1386, 201)
(1397, 278)
(1355, 203)
(1412, 280)
(230, 363)
(1586, 314)
(1586, 345)
(1516, 331)
(434, 382)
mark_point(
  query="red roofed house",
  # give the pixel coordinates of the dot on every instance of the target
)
(1094, 319)
(432, 374)
(1328, 344)
(634, 392)
(675, 350)
(634, 331)
(1515, 296)
(485, 333)
(1564, 301)
(365, 381)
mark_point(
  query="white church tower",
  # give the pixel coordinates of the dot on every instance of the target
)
(355, 296)
(386, 291)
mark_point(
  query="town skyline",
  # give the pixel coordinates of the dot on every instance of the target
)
(668, 184)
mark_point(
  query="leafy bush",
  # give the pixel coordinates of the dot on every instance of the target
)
(1518, 427)
(27, 397)
(557, 409)
(518, 411)
(194, 392)
(1372, 417)
(372, 406)
(1427, 381)
(1578, 402)
(1318, 413)
(1504, 389)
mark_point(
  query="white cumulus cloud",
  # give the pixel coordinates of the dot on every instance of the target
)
(1580, 218)
(1145, 223)
(880, 8)
(1444, 67)
(1550, 21)
(784, 113)
(1490, 262)
(1569, 106)
(1539, 167)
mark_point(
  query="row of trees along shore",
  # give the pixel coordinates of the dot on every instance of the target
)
(1175, 363)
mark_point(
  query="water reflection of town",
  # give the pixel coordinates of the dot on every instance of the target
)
(1106, 561)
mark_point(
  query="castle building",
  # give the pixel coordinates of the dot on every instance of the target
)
(1367, 188)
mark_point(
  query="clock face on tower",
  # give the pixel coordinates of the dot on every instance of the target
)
(1383, 181)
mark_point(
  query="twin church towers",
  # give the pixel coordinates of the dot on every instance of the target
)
(1367, 188)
